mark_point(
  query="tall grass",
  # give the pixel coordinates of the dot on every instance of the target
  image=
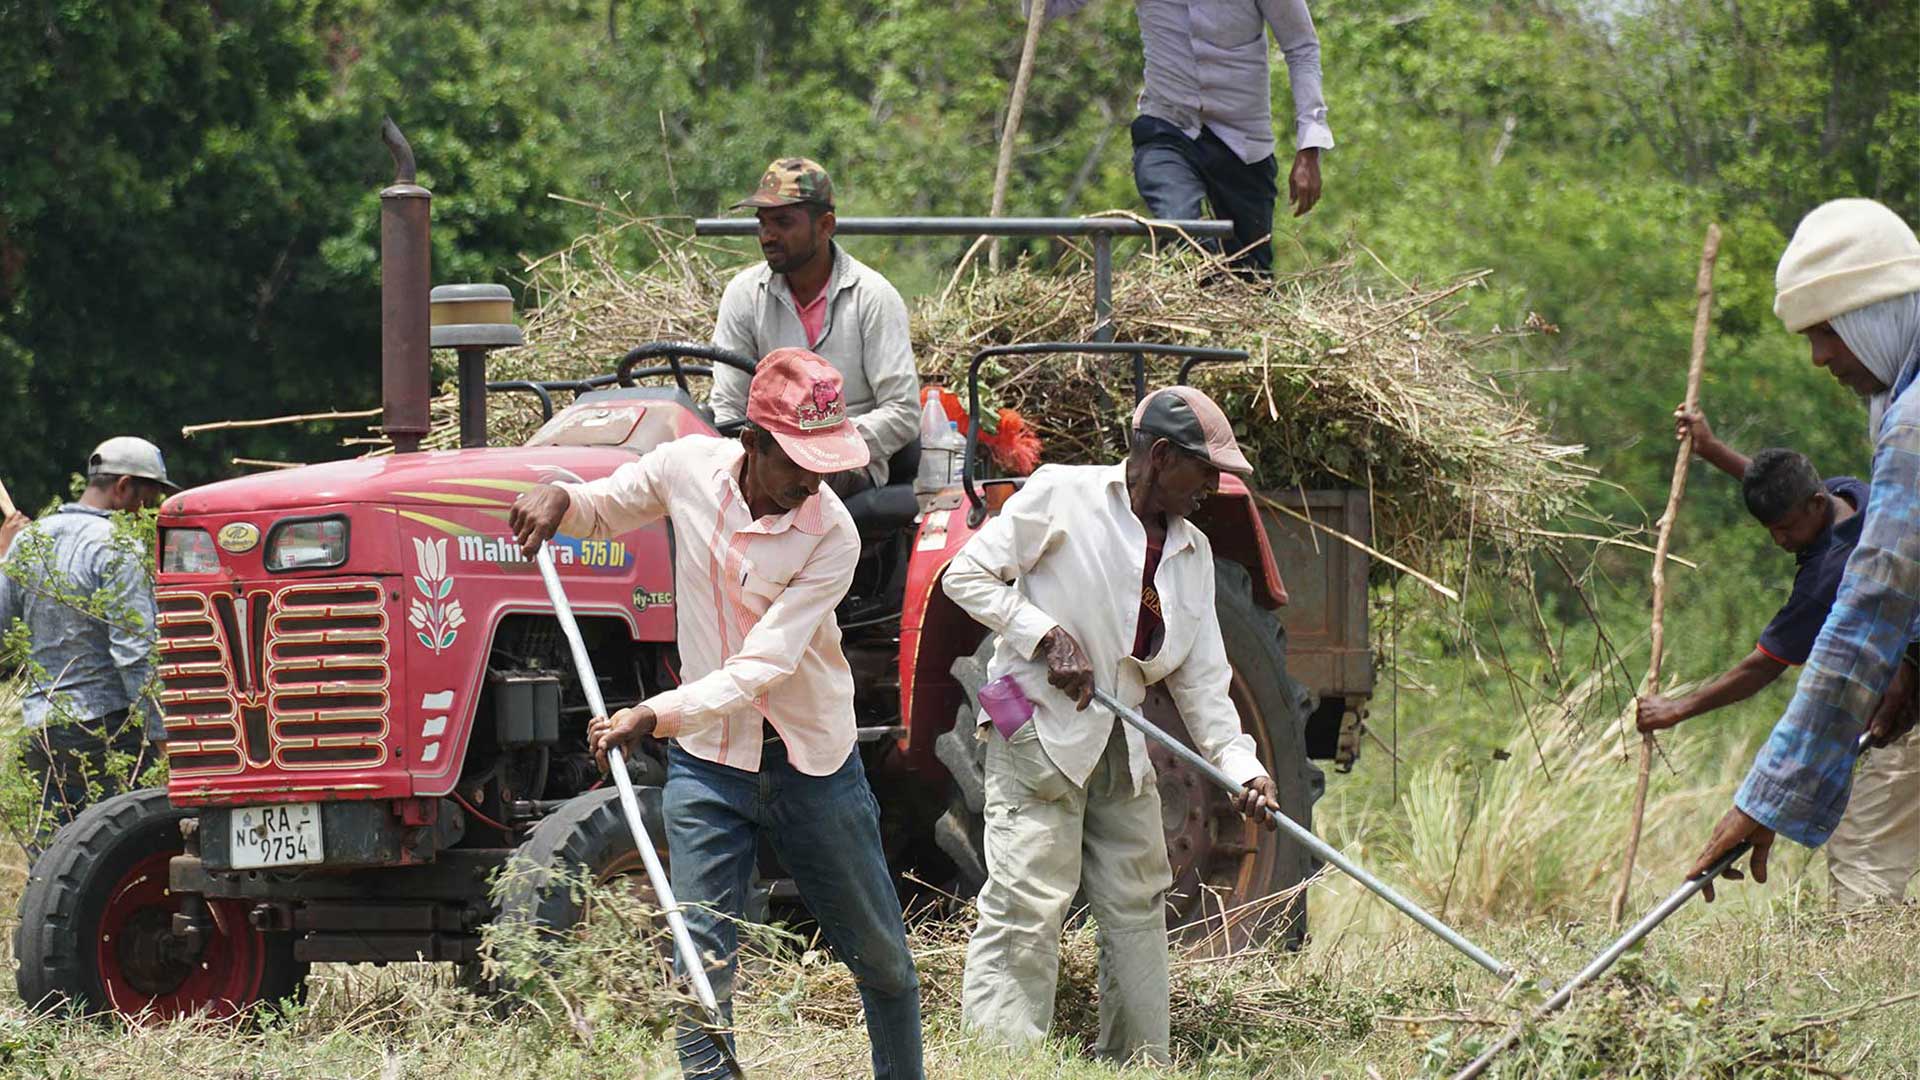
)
(1531, 831)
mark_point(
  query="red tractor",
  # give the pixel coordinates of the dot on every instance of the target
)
(370, 709)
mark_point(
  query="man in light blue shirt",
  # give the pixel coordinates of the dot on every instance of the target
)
(87, 602)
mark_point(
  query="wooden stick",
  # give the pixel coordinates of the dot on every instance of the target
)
(1022, 77)
(1606, 541)
(1375, 552)
(191, 430)
(7, 509)
(1702, 314)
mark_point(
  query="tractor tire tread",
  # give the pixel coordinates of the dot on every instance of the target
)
(52, 973)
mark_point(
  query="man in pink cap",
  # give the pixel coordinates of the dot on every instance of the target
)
(1071, 798)
(761, 725)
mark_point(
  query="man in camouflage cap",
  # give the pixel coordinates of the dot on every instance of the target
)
(790, 182)
(810, 294)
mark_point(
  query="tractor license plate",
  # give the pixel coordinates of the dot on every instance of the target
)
(285, 835)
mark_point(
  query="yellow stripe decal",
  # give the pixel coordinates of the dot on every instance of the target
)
(451, 528)
(454, 499)
(498, 485)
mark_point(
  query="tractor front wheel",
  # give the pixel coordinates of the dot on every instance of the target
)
(96, 931)
(586, 842)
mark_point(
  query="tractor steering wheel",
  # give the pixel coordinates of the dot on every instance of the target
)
(673, 351)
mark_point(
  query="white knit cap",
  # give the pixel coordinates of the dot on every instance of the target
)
(1845, 255)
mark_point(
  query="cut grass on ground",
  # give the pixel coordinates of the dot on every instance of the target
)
(1767, 983)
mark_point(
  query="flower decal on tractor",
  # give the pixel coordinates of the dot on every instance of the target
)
(435, 619)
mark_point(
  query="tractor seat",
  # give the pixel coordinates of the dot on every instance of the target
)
(882, 511)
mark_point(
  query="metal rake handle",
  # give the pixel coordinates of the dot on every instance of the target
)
(1312, 843)
(630, 805)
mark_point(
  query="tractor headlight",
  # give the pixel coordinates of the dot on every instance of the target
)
(187, 551)
(312, 544)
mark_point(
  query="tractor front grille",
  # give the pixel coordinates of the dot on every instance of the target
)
(296, 677)
(196, 691)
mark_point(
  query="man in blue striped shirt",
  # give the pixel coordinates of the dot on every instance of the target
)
(86, 598)
(1849, 281)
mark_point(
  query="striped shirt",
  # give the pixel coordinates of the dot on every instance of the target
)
(754, 606)
(1801, 779)
(89, 664)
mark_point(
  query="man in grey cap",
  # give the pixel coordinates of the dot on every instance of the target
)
(1071, 798)
(810, 294)
(86, 596)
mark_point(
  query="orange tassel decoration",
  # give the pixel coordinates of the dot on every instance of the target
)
(1014, 446)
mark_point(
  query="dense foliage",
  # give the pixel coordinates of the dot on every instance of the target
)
(188, 222)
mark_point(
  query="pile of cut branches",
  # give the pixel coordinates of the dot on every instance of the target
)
(1354, 379)
(1346, 386)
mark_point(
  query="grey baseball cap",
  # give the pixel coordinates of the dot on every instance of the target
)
(126, 455)
(1191, 421)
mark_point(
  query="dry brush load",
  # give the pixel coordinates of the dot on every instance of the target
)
(1353, 380)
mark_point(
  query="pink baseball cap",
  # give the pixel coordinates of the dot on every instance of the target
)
(796, 396)
(1191, 421)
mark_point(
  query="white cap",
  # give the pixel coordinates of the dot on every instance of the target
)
(126, 455)
(1846, 254)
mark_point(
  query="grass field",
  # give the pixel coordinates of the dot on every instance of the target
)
(1766, 983)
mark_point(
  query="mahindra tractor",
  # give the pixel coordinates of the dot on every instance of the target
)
(370, 710)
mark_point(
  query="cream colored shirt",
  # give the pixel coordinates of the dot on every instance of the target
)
(754, 604)
(1067, 550)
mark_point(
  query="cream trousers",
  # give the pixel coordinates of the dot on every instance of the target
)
(1045, 839)
(1873, 854)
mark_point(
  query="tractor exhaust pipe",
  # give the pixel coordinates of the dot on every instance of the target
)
(406, 274)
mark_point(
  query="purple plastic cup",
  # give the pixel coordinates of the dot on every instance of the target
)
(1006, 705)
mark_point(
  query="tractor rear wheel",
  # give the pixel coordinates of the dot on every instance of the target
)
(96, 926)
(1222, 863)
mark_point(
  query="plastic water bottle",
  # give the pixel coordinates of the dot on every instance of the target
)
(957, 455)
(936, 464)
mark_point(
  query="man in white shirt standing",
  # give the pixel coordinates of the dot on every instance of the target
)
(1205, 129)
(1071, 797)
(810, 294)
(762, 724)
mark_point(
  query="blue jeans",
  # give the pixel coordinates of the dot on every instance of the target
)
(68, 760)
(1176, 174)
(826, 831)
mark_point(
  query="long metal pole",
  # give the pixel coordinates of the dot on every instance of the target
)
(473, 396)
(662, 889)
(988, 226)
(1312, 843)
(1102, 287)
(1619, 948)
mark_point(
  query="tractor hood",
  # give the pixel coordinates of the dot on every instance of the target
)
(435, 478)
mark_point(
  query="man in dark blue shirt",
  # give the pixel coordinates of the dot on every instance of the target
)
(1819, 522)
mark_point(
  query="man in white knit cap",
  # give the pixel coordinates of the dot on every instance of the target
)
(1850, 281)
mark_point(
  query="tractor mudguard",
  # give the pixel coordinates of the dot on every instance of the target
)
(1231, 520)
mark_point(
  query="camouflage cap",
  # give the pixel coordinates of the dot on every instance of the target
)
(790, 181)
